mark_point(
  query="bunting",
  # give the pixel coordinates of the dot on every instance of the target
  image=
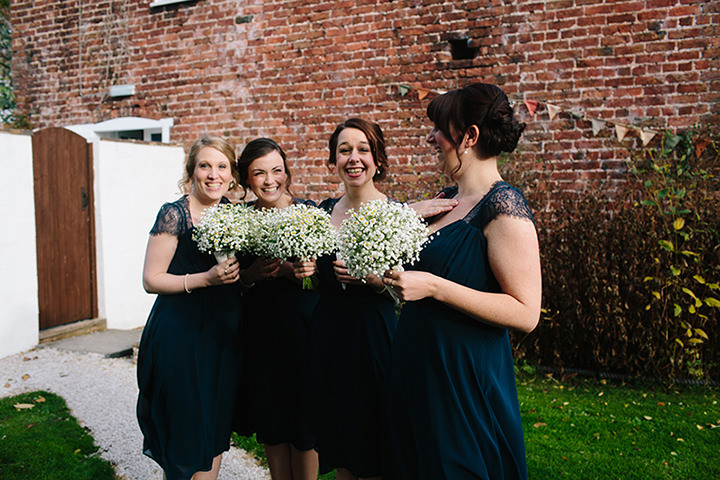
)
(621, 131)
(552, 110)
(646, 136)
(597, 125)
(531, 106)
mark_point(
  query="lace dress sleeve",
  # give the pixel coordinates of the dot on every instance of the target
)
(169, 220)
(506, 200)
(307, 202)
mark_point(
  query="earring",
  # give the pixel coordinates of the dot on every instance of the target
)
(232, 185)
(466, 151)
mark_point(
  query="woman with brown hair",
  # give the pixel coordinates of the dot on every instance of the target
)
(451, 401)
(353, 324)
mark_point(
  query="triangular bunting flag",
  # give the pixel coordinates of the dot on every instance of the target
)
(552, 110)
(646, 136)
(671, 141)
(621, 130)
(700, 146)
(422, 93)
(403, 90)
(531, 106)
(597, 125)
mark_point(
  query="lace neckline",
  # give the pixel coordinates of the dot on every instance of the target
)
(473, 211)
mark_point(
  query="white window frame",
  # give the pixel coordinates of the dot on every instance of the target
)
(112, 128)
(160, 3)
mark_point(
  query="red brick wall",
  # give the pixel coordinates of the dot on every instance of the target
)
(292, 70)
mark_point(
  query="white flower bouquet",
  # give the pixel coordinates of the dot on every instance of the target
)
(299, 232)
(223, 230)
(381, 236)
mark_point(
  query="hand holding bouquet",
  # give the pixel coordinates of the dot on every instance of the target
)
(299, 231)
(381, 236)
(223, 229)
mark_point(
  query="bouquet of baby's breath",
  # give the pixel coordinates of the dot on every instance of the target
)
(381, 236)
(299, 232)
(224, 229)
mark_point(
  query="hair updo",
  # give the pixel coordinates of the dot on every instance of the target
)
(483, 105)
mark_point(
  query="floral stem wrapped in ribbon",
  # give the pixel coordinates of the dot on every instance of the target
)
(299, 232)
(223, 230)
(381, 236)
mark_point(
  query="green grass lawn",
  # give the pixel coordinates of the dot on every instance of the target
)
(40, 440)
(596, 430)
(587, 429)
(577, 429)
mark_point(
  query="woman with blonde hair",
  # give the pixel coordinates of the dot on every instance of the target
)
(187, 364)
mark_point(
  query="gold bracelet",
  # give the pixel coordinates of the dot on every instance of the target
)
(185, 283)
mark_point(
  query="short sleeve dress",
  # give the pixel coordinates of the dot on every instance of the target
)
(187, 367)
(277, 318)
(350, 335)
(451, 401)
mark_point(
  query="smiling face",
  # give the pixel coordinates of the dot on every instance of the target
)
(267, 179)
(212, 175)
(354, 160)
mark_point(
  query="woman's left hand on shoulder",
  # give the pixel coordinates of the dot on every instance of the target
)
(434, 206)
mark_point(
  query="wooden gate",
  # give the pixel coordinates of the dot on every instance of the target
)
(64, 219)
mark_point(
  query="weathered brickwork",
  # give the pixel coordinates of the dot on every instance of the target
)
(291, 70)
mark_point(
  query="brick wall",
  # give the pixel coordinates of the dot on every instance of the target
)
(291, 70)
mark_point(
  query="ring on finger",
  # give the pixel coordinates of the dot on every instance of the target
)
(226, 271)
(392, 281)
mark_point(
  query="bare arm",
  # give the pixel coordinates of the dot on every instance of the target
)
(158, 255)
(514, 258)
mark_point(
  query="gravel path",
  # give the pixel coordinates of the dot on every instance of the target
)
(101, 393)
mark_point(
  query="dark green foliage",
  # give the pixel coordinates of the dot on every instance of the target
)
(627, 287)
(39, 439)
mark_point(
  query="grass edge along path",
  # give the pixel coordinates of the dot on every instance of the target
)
(40, 439)
(578, 428)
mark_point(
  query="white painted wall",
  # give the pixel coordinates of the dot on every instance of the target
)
(132, 181)
(19, 311)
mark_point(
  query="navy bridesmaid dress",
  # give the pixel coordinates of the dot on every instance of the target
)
(451, 401)
(350, 336)
(187, 367)
(277, 319)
